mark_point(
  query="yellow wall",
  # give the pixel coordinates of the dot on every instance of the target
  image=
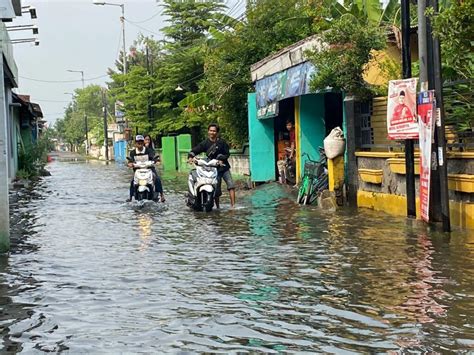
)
(461, 213)
(375, 74)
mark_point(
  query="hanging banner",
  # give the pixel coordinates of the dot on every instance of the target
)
(291, 82)
(401, 109)
(426, 110)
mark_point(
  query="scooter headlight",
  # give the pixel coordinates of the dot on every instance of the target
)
(142, 182)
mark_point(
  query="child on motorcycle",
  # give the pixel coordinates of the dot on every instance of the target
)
(143, 153)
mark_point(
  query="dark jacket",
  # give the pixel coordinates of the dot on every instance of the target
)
(214, 150)
(144, 155)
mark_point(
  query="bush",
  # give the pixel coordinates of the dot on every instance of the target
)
(33, 157)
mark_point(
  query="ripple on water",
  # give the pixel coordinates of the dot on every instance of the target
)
(90, 273)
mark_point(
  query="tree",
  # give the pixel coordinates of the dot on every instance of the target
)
(71, 128)
(349, 46)
(229, 54)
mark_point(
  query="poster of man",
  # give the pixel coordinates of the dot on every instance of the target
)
(401, 109)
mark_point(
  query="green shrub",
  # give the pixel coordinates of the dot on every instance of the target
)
(33, 157)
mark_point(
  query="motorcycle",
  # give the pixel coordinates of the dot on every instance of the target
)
(202, 184)
(143, 181)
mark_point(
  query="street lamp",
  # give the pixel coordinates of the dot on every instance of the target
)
(34, 28)
(82, 75)
(29, 9)
(85, 116)
(122, 20)
(26, 40)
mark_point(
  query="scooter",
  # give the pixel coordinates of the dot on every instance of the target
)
(202, 183)
(143, 180)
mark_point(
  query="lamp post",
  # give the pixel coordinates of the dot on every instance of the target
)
(122, 20)
(106, 136)
(26, 40)
(84, 109)
(34, 28)
(29, 9)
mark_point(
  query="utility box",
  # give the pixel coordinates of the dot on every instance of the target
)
(183, 148)
(168, 153)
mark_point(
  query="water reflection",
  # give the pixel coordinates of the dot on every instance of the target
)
(90, 273)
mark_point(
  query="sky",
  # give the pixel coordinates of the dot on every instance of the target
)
(78, 35)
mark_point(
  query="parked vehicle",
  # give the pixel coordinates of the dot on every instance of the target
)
(202, 183)
(315, 179)
(143, 180)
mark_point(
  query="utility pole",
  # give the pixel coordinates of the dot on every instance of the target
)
(4, 180)
(435, 197)
(409, 144)
(85, 118)
(441, 133)
(422, 47)
(122, 19)
(106, 140)
(148, 73)
(83, 109)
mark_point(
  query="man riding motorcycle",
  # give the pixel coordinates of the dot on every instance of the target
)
(141, 154)
(216, 148)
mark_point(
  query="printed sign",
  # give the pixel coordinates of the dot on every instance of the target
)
(119, 114)
(401, 109)
(426, 111)
(291, 82)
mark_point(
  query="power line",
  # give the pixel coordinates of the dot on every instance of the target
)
(197, 76)
(148, 19)
(63, 81)
(142, 28)
(53, 114)
(43, 100)
(234, 10)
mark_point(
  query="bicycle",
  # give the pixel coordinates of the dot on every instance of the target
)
(315, 179)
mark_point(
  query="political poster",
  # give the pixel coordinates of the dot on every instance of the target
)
(401, 109)
(426, 111)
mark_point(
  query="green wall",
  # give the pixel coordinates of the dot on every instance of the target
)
(262, 144)
(184, 146)
(168, 157)
(312, 126)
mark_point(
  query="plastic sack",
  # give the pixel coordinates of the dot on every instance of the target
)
(335, 143)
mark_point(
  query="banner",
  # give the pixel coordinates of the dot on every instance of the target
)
(401, 109)
(119, 114)
(426, 111)
(291, 82)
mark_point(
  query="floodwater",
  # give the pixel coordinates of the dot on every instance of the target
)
(89, 273)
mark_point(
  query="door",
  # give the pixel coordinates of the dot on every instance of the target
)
(262, 144)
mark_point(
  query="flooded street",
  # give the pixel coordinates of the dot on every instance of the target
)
(91, 273)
